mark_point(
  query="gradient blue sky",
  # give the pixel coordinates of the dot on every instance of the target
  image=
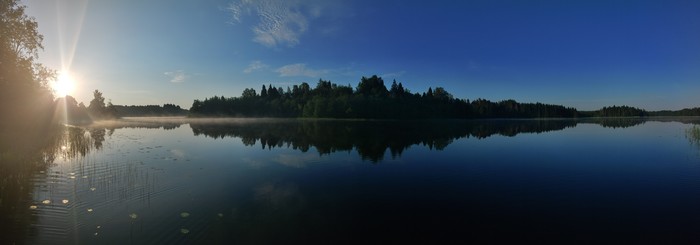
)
(584, 54)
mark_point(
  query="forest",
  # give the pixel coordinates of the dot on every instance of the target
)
(166, 110)
(370, 99)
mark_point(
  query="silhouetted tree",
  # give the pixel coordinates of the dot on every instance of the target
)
(70, 112)
(97, 104)
(25, 98)
(98, 109)
(371, 99)
(620, 111)
(441, 94)
(248, 93)
(263, 92)
(373, 86)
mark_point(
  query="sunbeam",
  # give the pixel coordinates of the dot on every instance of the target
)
(69, 24)
(64, 84)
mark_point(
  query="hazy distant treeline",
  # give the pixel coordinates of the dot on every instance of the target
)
(78, 113)
(149, 110)
(694, 112)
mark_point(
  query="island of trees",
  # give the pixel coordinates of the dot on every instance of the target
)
(372, 99)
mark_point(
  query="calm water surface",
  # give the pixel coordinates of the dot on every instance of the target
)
(182, 181)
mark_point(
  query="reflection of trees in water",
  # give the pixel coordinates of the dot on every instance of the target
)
(693, 135)
(26, 167)
(616, 122)
(146, 123)
(26, 154)
(78, 142)
(370, 139)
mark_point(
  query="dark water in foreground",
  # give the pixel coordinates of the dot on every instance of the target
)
(179, 181)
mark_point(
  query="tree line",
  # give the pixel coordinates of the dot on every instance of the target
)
(372, 99)
(149, 110)
(78, 113)
(369, 99)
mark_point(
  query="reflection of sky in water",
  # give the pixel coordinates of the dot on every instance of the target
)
(168, 186)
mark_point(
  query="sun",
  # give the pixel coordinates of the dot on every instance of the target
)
(63, 85)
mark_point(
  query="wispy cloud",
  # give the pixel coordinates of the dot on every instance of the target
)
(178, 76)
(278, 21)
(393, 74)
(299, 70)
(255, 66)
(296, 160)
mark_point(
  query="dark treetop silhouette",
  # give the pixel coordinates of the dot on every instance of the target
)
(372, 99)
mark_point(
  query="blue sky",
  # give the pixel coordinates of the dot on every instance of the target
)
(584, 54)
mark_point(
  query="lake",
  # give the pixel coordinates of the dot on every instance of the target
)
(268, 181)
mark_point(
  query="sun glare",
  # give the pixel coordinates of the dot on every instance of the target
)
(64, 85)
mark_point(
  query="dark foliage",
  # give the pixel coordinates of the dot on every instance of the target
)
(25, 99)
(98, 109)
(620, 111)
(692, 112)
(69, 111)
(370, 99)
(149, 110)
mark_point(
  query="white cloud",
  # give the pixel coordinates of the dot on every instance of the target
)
(298, 70)
(279, 21)
(178, 76)
(255, 66)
